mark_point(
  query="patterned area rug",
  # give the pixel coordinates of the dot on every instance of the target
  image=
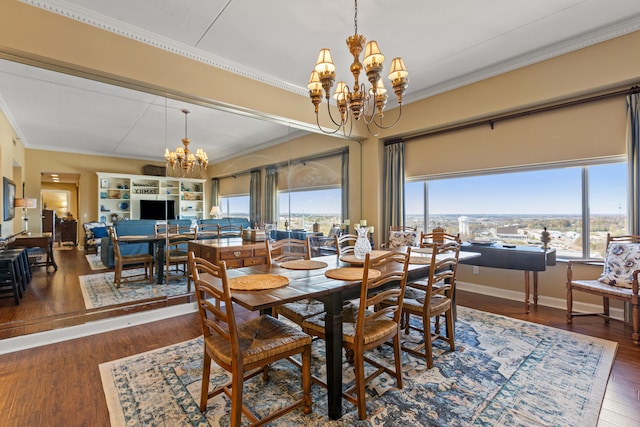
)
(98, 290)
(503, 372)
(95, 263)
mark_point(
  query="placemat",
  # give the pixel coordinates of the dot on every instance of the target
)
(351, 258)
(257, 282)
(303, 264)
(350, 273)
(420, 258)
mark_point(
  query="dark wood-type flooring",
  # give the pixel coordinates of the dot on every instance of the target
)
(59, 384)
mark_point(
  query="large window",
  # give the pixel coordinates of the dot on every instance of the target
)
(235, 206)
(301, 209)
(578, 205)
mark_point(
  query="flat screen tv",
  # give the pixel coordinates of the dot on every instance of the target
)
(157, 209)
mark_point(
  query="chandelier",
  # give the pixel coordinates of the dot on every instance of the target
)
(182, 162)
(357, 102)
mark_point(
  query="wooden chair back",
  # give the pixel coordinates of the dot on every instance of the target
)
(372, 296)
(287, 250)
(214, 319)
(438, 235)
(402, 228)
(345, 244)
(229, 230)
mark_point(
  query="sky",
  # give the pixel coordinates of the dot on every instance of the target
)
(553, 192)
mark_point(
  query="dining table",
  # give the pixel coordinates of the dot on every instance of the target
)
(314, 284)
(157, 243)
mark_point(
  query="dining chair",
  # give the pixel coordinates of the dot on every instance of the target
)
(432, 297)
(122, 261)
(438, 235)
(229, 230)
(287, 250)
(175, 252)
(364, 329)
(290, 250)
(618, 280)
(345, 244)
(244, 349)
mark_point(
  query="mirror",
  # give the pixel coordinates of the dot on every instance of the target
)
(157, 123)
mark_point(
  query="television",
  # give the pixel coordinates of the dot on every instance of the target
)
(157, 209)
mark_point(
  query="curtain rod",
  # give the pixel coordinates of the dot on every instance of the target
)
(286, 163)
(492, 121)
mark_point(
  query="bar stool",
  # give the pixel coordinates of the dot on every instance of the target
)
(10, 278)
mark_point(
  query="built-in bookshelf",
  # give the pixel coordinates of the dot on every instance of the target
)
(119, 195)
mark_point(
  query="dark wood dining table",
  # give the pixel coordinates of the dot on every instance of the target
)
(333, 293)
(157, 243)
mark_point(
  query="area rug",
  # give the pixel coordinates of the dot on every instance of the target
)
(98, 290)
(95, 263)
(504, 372)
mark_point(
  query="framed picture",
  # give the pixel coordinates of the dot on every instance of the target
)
(9, 198)
(104, 183)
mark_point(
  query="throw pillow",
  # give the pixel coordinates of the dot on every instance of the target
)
(621, 260)
(403, 238)
(99, 232)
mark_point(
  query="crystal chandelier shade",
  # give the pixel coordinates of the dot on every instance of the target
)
(183, 163)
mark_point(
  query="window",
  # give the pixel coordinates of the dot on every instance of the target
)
(577, 204)
(301, 209)
(235, 206)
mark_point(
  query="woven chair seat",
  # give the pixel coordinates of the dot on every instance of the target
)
(373, 330)
(298, 311)
(260, 338)
(601, 288)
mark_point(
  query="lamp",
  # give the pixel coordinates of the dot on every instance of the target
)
(25, 204)
(215, 212)
(182, 162)
(357, 102)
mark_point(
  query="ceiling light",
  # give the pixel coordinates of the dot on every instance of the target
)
(182, 162)
(357, 102)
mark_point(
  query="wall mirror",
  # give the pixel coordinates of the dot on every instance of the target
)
(157, 123)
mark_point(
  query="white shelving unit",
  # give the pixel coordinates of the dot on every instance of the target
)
(119, 195)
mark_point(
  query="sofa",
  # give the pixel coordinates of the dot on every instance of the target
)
(138, 227)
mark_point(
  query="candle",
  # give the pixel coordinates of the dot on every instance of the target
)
(363, 222)
(371, 229)
(347, 222)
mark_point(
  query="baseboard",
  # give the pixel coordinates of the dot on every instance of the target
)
(581, 307)
(38, 339)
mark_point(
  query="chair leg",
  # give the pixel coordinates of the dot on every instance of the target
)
(428, 350)
(360, 393)
(450, 329)
(605, 308)
(398, 359)
(569, 305)
(306, 379)
(635, 323)
(236, 398)
(206, 370)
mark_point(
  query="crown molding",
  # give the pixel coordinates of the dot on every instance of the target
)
(86, 16)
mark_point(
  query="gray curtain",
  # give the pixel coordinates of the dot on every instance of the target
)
(393, 191)
(633, 152)
(345, 185)
(255, 198)
(215, 192)
(271, 196)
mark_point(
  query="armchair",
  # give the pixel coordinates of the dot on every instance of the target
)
(94, 231)
(619, 280)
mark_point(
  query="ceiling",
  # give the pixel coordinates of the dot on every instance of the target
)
(444, 45)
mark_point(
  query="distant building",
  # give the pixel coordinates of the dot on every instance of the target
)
(507, 229)
(463, 225)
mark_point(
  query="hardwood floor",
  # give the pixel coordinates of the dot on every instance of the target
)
(59, 384)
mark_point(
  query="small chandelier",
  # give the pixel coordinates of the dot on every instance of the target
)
(357, 102)
(182, 162)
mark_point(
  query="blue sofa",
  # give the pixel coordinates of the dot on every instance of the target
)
(138, 227)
